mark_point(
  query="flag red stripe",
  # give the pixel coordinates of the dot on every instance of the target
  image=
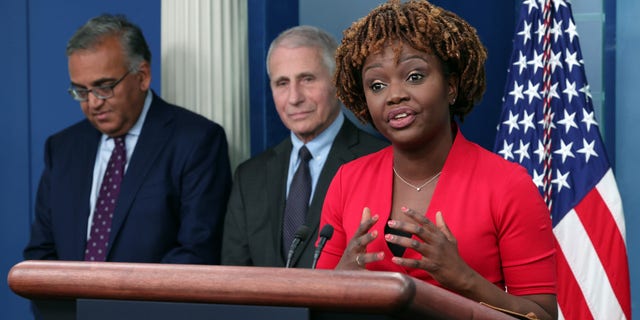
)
(570, 297)
(608, 243)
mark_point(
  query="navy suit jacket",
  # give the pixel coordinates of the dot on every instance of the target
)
(172, 200)
(253, 225)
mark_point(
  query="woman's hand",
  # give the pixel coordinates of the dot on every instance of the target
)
(440, 257)
(355, 256)
(437, 246)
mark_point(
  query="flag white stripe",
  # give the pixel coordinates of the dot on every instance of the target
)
(586, 268)
(608, 190)
(560, 314)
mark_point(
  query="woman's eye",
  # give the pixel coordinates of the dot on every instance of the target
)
(376, 86)
(415, 77)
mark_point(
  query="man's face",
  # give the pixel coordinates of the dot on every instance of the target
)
(104, 64)
(303, 91)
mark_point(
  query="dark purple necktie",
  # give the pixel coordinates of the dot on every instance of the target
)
(98, 241)
(295, 211)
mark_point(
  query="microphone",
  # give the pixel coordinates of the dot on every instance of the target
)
(301, 235)
(325, 234)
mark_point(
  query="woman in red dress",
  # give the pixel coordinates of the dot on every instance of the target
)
(433, 204)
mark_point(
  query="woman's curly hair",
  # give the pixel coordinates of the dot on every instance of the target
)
(424, 27)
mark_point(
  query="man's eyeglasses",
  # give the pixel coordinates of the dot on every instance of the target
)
(101, 92)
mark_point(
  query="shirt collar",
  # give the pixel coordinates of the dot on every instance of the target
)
(137, 127)
(320, 145)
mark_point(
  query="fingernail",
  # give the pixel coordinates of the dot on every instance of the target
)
(375, 217)
(404, 209)
(380, 255)
(374, 233)
(388, 237)
(391, 223)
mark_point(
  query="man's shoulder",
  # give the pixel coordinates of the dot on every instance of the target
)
(74, 131)
(378, 142)
(261, 160)
(358, 140)
(189, 124)
(182, 114)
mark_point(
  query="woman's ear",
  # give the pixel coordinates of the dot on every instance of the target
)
(452, 93)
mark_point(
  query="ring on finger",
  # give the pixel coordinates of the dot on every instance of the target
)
(358, 260)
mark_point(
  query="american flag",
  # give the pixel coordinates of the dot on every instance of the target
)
(549, 127)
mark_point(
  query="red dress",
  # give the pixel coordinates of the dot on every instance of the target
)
(491, 206)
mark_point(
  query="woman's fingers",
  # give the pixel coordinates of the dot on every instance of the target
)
(366, 222)
(362, 237)
(363, 258)
(366, 215)
(443, 227)
(405, 242)
(356, 255)
(418, 218)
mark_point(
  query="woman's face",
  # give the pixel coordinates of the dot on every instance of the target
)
(408, 96)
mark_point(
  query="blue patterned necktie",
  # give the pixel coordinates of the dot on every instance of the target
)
(295, 211)
(98, 241)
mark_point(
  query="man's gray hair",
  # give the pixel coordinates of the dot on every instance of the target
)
(96, 29)
(307, 37)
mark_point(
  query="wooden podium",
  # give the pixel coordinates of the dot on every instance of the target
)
(112, 289)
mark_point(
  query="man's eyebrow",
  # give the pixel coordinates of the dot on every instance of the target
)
(95, 83)
(305, 74)
(280, 78)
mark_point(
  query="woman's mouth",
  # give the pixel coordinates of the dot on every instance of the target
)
(401, 118)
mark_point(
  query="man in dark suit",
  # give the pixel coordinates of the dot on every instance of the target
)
(300, 64)
(170, 203)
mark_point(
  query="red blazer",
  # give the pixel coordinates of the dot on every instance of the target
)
(491, 206)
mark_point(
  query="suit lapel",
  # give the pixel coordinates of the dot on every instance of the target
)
(85, 158)
(156, 130)
(277, 167)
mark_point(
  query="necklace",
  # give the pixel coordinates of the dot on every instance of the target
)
(418, 188)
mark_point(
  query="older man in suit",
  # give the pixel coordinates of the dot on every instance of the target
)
(139, 180)
(300, 64)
